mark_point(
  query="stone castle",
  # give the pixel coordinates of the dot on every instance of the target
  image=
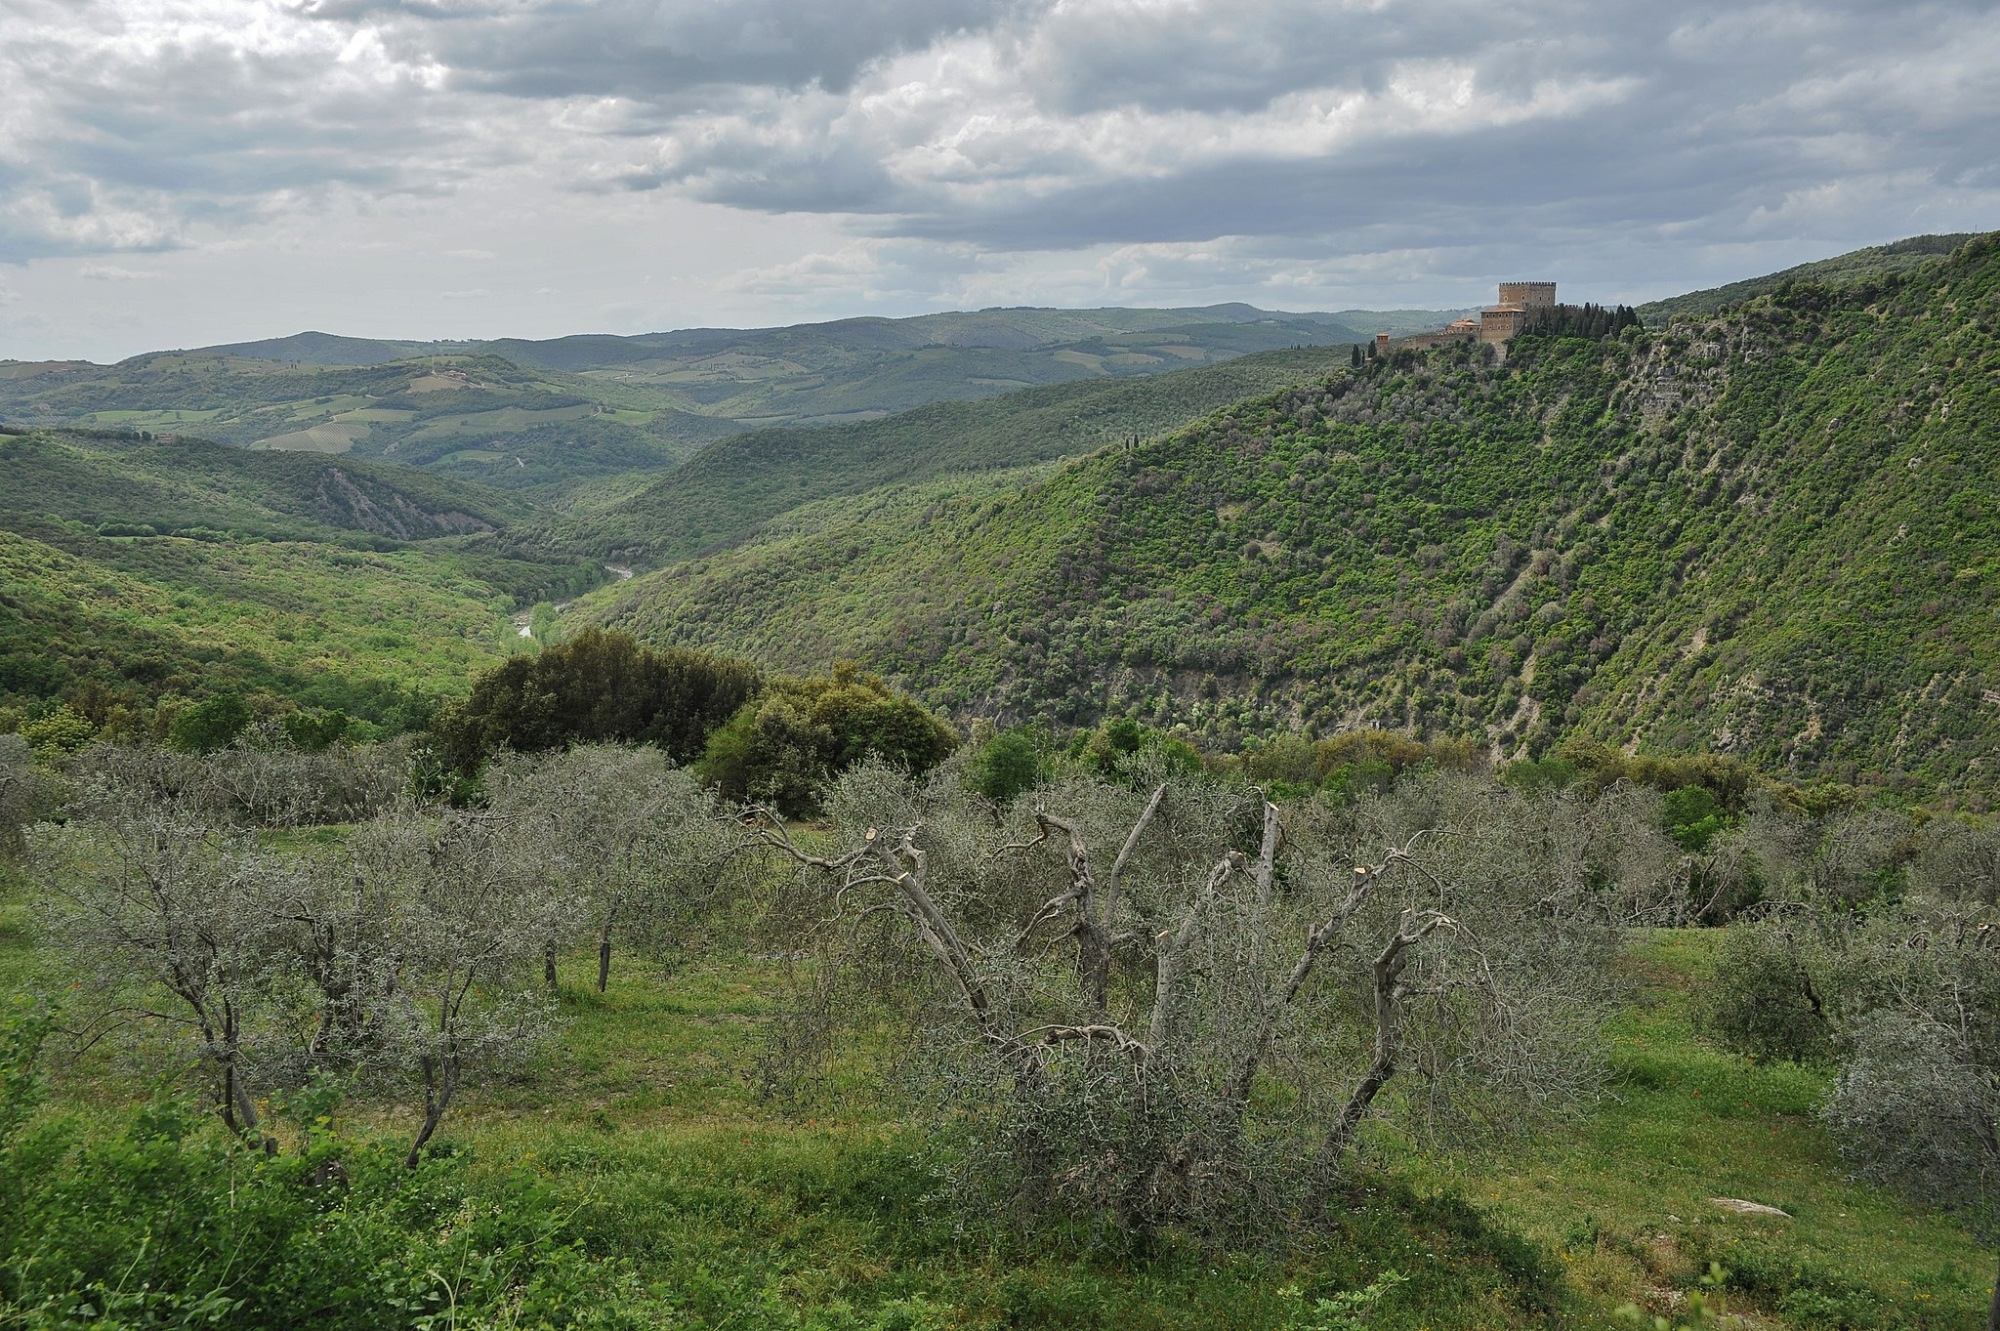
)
(1498, 323)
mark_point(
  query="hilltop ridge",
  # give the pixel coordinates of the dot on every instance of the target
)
(1768, 532)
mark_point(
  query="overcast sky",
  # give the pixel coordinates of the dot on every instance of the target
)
(180, 172)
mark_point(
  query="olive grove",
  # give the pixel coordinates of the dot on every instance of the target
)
(399, 956)
(1169, 1001)
(1875, 952)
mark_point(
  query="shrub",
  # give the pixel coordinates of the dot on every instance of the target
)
(597, 687)
(1693, 816)
(1110, 749)
(1727, 779)
(1540, 774)
(316, 732)
(1380, 748)
(150, 1217)
(1007, 766)
(60, 730)
(783, 747)
(210, 725)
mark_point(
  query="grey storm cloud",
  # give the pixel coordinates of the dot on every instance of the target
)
(1440, 119)
(651, 50)
(1011, 124)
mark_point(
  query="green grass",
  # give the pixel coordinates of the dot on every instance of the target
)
(1625, 1198)
(739, 1212)
(650, 1105)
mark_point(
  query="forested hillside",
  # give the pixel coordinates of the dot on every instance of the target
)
(547, 416)
(136, 571)
(725, 493)
(1770, 532)
(1898, 256)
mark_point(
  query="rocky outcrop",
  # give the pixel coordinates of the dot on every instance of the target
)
(365, 505)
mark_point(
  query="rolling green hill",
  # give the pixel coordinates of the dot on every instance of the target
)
(730, 489)
(1896, 257)
(477, 418)
(1771, 532)
(550, 416)
(134, 570)
(110, 477)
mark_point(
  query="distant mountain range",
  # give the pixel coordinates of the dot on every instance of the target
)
(1019, 328)
(549, 415)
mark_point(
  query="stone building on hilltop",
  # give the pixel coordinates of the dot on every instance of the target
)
(1518, 301)
(1498, 324)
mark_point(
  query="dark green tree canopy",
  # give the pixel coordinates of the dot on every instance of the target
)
(598, 686)
(783, 747)
(210, 725)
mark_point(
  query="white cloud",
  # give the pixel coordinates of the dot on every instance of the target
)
(948, 150)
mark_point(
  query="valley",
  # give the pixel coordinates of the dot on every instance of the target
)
(1764, 532)
(1755, 532)
(502, 740)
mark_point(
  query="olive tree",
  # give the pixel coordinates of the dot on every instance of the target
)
(337, 942)
(253, 786)
(1835, 861)
(403, 957)
(619, 837)
(166, 916)
(453, 995)
(1917, 1101)
(1169, 1003)
(26, 791)
(1957, 860)
(283, 786)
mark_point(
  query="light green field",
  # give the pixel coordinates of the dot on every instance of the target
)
(147, 420)
(297, 608)
(325, 438)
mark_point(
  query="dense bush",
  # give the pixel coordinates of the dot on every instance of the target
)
(60, 729)
(1729, 782)
(210, 725)
(150, 1217)
(782, 748)
(1353, 763)
(316, 731)
(1009, 764)
(1766, 1001)
(597, 687)
(1109, 750)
